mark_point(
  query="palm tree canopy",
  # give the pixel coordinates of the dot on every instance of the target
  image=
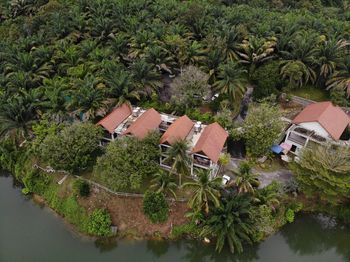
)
(206, 191)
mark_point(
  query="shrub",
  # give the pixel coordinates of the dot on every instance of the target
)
(344, 214)
(155, 207)
(290, 215)
(127, 161)
(99, 223)
(81, 188)
(189, 229)
(73, 148)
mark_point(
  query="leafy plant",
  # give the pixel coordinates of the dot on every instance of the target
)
(99, 223)
(155, 207)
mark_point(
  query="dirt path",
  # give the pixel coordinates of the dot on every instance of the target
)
(127, 214)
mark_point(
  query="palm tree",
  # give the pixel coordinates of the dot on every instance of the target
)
(88, 98)
(230, 223)
(268, 196)
(163, 181)
(299, 60)
(55, 98)
(178, 156)
(145, 76)
(328, 55)
(341, 78)
(297, 73)
(206, 191)
(255, 51)
(17, 114)
(245, 180)
(231, 81)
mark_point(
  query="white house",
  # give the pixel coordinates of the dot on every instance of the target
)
(319, 123)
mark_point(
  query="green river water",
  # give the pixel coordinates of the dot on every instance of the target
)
(30, 233)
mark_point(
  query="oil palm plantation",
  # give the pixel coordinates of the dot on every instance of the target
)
(232, 80)
(245, 180)
(88, 100)
(230, 224)
(163, 181)
(341, 78)
(206, 191)
(329, 54)
(177, 155)
(17, 114)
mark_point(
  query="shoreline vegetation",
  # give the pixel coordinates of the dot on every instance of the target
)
(66, 64)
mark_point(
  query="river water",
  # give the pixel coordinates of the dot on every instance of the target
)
(30, 233)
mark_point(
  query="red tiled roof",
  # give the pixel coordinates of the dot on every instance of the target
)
(211, 142)
(148, 121)
(177, 130)
(115, 118)
(332, 118)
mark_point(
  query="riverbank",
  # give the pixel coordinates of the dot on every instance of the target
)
(30, 233)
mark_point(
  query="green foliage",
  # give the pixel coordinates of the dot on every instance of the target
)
(99, 223)
(189, 229)
(73, 148)
(344, 214)
(261, 128)
(81, 188)
(290, 215)
(128, 161)
(41, 130)
(205, 191)
(190, 88)
(267, 80)
(155, 207)
(323, 171)
(231, 224)
(338, 97)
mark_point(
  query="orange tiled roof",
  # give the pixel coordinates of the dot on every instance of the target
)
(211, 142)
(115, 118)
(177, 130)
(148, 121)
(332, 118)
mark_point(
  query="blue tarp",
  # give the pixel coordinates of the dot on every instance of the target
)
(277, 149)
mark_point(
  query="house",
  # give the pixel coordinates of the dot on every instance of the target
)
(205, 142)
(145, 122)
(318, 123)
(206, 152)
(180, 129)
(110, 122)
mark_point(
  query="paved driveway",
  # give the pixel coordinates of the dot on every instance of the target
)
(265, 178)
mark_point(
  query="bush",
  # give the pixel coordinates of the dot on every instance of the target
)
(99, 223)
(344, 214)
(155, 207)
(127, 161)
(73, 148)
(290, 215)
(81, 188)
(189, 229)
(267, 80)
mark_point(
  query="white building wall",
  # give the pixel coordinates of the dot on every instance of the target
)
(314, 126)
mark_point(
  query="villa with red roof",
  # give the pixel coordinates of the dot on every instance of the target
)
(319, 123)
(206, 143)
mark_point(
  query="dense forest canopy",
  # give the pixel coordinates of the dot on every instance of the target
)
(62, 58)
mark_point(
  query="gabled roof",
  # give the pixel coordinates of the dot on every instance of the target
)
(178, 130)
(115, 118)
(148, 121)
(211, 142)
(332, 118)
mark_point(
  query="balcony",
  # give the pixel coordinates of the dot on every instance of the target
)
(201, 161)
(300, 140)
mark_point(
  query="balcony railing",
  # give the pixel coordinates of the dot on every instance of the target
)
(201, 161)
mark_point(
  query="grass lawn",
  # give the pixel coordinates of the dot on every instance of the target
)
(311, 93)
